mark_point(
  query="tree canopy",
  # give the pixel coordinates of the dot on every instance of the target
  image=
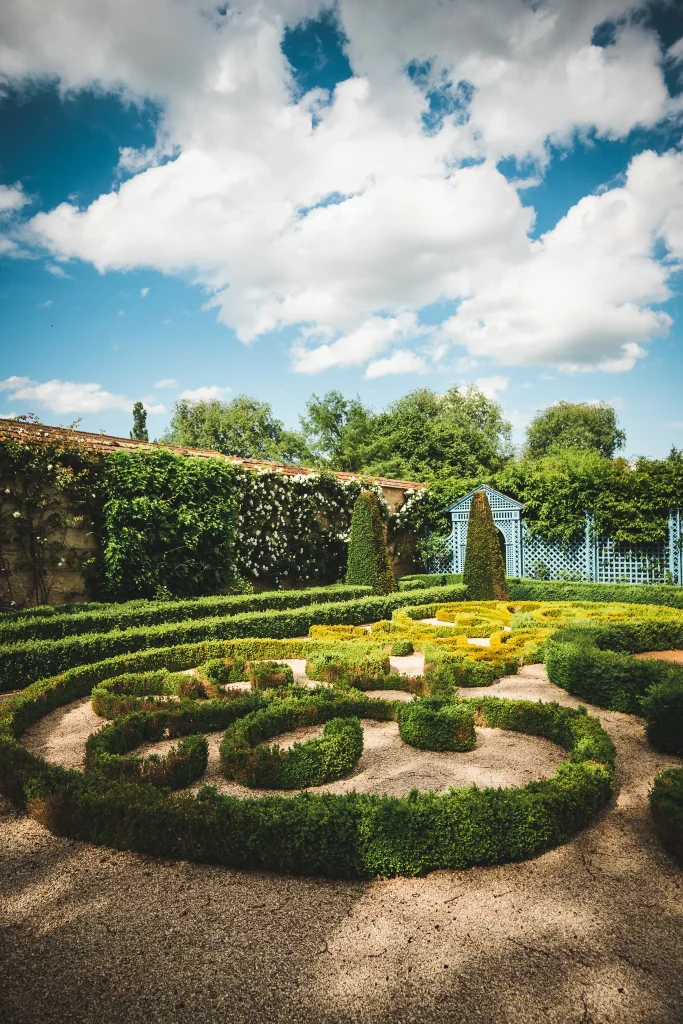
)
(243, 427)
(578, 425)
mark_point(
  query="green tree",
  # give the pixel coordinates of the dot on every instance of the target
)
(484, 573)
(426, 436)
(243, 427)
(368, 560)
(337, 430)
(577, 425)
(139, 431)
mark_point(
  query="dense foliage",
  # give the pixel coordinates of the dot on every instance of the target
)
(368, 559)
(139, 431)
(437, 724)
(576, 425)
(168, 525)
(666, 804)
(243, 426)
(484, 572)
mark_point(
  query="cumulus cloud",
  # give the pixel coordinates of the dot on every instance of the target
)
(492, 386)
(167, 382)
(12, 197)
(582, 295)
(207, 393)
(63, 396)
(343, 214)
(402, 361)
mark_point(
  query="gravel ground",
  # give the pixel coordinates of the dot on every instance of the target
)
(591, 932)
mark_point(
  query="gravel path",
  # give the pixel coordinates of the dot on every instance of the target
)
(590, 933)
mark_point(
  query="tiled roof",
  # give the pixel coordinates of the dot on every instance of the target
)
(18, 430)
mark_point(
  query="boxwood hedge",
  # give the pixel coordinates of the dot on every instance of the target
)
(22, 663)
(666, 804)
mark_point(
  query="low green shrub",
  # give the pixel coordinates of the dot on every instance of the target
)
(247, 759)
(22, 663)
(401, 648)
(592, 661)
(265, 675)
(103, 618)
(663, 710)
(427, 581)
(666, 805)
(433, 724)
(352, 664)
(218, 671)
(630, 593)
(141, 691)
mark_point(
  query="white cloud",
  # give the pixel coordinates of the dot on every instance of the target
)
(370, 338)
(167, 382)
(207, 393)
(491, 386)
(144, 292)
(62, 396)
(231, 191)
(12, 198)
(44, 305)
(57, 271)
(402, 361)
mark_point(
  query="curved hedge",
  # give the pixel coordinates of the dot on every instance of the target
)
(666, 805)
(246, 758)
(22, 663)
(354, 835)
(434, 724)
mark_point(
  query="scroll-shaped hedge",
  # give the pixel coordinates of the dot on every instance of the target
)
(246, 759)
(105, 753)
(351, 835)
(433, 724)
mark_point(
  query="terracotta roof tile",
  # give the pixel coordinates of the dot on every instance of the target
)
(18, 430)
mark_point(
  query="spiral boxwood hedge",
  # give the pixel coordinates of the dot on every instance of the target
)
(351, 835)
(434, 724)
(246, 758)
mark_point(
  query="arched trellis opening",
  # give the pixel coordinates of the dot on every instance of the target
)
(591, 557)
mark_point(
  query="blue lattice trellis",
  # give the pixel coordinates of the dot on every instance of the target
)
(600, 559)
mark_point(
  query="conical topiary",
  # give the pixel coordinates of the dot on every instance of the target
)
(484, 574)
(368, 560)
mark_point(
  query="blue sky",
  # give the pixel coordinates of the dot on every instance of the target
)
(295, 198)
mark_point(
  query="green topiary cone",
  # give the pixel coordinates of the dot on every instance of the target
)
(484, 574)
(368, 560)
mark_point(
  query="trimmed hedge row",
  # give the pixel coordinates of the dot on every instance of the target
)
(354, 835)
(105, 618)
(434, 724)
(592, 661)
(21, 664)
(427, 581)
(666, 805)
(629, 593)
(354, 664)
(265, 675)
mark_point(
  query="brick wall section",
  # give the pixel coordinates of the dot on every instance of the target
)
(68, 584)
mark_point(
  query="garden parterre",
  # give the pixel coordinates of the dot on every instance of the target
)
(129, 803)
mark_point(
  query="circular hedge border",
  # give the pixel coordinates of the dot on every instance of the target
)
(349, 835)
